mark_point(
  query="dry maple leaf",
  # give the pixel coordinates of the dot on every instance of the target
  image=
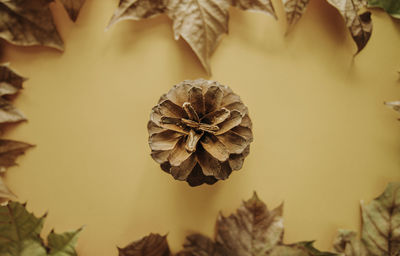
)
(380, 235)
(73, 7)
(8, 113)
(357, 20)
(10, 81)
(20, 234)
(253, 230)
(151, 245)
(10, 84)
(9, 151)
(200, 131)
(5, 192)
(294, 10)
(28, 22)
(201, 23)
(393, 104)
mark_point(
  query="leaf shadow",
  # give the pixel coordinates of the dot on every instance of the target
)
(28, 52)
(323, 32)
(64, 27)
(396, 24)
(133, 31)
(240, 24)
(194, 201)
(168, 198)
(190, 67)
(327, 18)
(136, 33)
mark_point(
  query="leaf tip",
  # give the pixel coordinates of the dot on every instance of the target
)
(113, 20)
(255, 196)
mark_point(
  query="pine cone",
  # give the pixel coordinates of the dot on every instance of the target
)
(199, 132)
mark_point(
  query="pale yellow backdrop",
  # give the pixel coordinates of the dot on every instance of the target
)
(323, 138)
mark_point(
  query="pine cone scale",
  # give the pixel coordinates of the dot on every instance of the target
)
(160, 156)
(236, 160)
(170, 109)
(178, 94)
(232, 121)
(244, 132)
(233, 142)
(213, 99)
(182, 172)
(209, 165)
(196, 100)
(237, 106)
(246, 122)
(216, 117)
(153, 128)
(172, 123)
(179, 153)
(165, 140)
(192, 140)
(215, 147)
(191, 112)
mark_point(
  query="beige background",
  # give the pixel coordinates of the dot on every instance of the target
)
(323, 138)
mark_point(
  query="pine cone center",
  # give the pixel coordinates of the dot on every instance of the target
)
(194, 125)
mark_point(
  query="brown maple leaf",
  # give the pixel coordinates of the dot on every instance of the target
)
(151, 245)
(73, 7)
(10, 84)
(5, 192)
(380, 227)
(9, 151)
(253, 230)
(28, 22)
(200, 23)
(357, 20)
(294, 10)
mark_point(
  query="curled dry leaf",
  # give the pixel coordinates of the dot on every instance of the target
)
(10, 84)
(294, 10)
(151, 245)
(390, 6)
(20, 234)
(380, 227)
(73, 7)
(200, 23)
(200, 132)
(356, 18)
(394, 105)
(62, 244)
(10, 81)
(9, 151)
(28, 22)
(8, 113)
(253, 230)
(5, 193)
